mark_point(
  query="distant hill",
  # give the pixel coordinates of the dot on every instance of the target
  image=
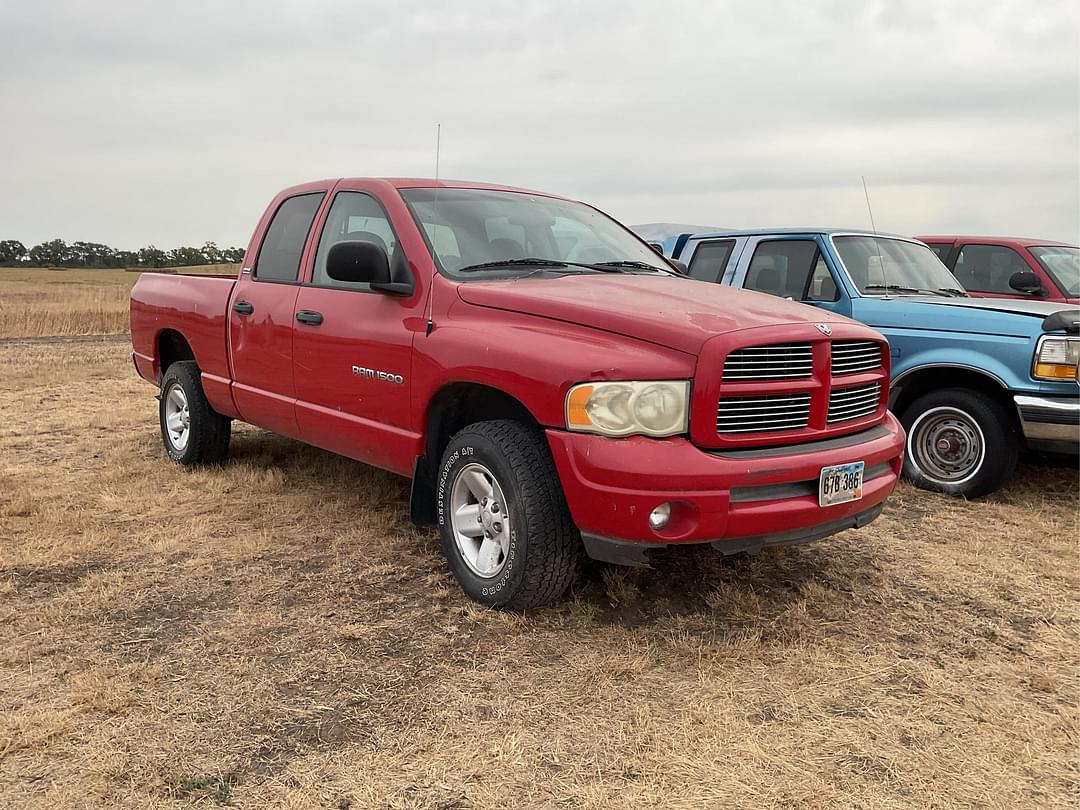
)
(659, 231)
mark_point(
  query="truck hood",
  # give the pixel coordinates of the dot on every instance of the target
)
(991, 316)
(673, 312)
(1036, 309)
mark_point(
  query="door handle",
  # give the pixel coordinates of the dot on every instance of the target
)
(309, 317)
(243, 308)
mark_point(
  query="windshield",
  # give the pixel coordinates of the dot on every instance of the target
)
(470, 227)
(880, 265)
(1063, 265)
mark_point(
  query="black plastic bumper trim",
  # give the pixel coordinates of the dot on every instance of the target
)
(851, 439)
(796, 489)
(636, 555)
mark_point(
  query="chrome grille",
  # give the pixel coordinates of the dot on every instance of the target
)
(846, 404)
(853, 356)
(766, 412)
(776, 362)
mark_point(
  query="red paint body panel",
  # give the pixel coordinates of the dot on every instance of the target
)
(531, 339)
(1054, 293)
(611, 486)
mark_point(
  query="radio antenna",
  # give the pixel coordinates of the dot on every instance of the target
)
(877, 245)
(434, 261)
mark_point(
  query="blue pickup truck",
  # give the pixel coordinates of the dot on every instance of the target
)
(974, 380)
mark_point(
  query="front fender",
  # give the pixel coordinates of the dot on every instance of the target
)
(533, 359)
(1005, 360)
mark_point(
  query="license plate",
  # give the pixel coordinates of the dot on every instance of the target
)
(840, 483)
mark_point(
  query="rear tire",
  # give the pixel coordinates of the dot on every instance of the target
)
(193, 433)
(503, 520)
(960, 442)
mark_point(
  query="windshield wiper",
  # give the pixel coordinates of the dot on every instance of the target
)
(537, 262)
(892, 288)
(512, 263)
(633, 265)
(956, 291)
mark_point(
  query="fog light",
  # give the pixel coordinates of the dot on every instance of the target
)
(659, 517)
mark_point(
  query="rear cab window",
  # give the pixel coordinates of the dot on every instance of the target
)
(710, 259)
(940, 249)
(283, 244)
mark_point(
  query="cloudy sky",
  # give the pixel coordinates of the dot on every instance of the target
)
(145, 122)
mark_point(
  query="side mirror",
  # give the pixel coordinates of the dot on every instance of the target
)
(1026, 282)
(357, 262)
(367, 263)
(680, 266)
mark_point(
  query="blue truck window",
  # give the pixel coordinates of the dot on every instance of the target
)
(710, 259)
(783, 267)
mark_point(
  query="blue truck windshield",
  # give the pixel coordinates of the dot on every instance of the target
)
(880, 265)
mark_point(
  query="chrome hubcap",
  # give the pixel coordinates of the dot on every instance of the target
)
(177, 418)
(479, 520)
(946, 445)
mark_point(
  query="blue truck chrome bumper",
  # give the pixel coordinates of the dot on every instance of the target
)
(1050, 423)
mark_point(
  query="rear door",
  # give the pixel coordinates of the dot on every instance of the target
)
(353, 345)
(261, 316)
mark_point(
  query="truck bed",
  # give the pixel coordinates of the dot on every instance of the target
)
(195, 306)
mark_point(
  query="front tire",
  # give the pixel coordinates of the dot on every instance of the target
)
(193, 433)
(959, 442)
(503, 521)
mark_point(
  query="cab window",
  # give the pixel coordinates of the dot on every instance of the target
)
(988, 268)
(786, 267)
(941, 250)
(710, 259)
(283, 244)
(822, 285)
(354, 217)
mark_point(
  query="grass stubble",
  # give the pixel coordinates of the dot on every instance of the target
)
(274, 633)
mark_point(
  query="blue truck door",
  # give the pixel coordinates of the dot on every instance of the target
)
(796, 266)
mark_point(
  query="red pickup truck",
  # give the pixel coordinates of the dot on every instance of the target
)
(1004, 267)
(549, 383)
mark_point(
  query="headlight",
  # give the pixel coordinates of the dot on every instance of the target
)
(1056, 359)
(623, 408)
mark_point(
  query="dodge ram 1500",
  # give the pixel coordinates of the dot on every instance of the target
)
(544, 377)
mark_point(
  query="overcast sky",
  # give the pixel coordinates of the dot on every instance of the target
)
(145, 122)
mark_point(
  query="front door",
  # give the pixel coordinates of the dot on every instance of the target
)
(261, 318)
(793, 267)
(353, 348)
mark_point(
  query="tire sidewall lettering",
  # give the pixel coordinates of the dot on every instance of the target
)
(458, 455)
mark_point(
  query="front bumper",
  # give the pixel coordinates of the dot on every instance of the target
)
(759, 495)
(1050, 423)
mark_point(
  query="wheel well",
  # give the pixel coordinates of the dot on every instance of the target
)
(172, 347)
(920, 382)
(454, 407)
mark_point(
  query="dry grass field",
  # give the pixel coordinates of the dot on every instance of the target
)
(274, 633)
(36, 302)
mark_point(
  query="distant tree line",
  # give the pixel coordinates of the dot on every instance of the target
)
(58, 253)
